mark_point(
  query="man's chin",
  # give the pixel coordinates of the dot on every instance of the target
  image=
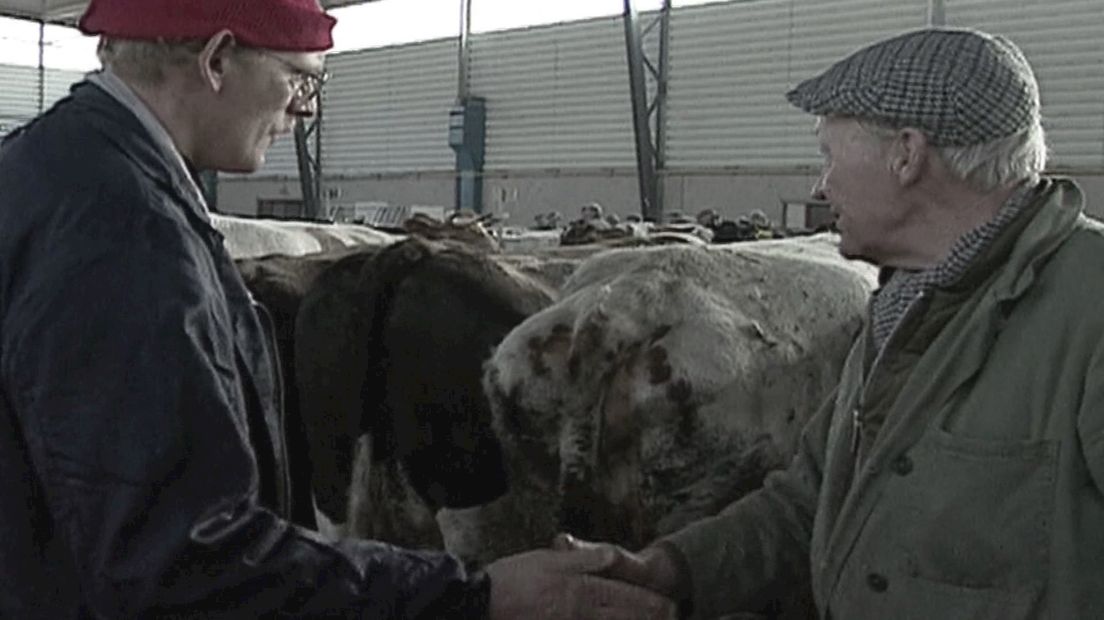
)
(859, 256)
(849, 252)
(243, 167)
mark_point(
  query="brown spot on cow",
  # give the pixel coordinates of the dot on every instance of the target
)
(687, 420)
(538, 347)
(536, 357)
(660, 332)
(680, 392)
(659, 371)
(587, 341)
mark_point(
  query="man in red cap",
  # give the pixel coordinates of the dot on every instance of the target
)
(142, 457)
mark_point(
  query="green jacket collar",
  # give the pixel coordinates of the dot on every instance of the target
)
(1025, 244)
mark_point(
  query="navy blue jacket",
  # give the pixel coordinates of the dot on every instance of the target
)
(141, 450)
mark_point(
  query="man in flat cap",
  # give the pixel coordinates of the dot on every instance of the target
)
(142, 458)
(957, 470)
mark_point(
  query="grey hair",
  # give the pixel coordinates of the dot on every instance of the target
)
(987, 166)
(145, 61)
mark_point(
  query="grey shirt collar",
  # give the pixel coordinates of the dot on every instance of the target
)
(125, 95)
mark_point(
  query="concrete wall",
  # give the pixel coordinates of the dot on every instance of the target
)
(523, 196)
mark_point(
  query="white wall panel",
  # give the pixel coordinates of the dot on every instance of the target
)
(280, 160)
(732, 63)
(386, 109)
(1064, 42)
(19, 92)
(58, 83)
(557, 96)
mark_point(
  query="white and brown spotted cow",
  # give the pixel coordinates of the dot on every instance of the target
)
(664, 384)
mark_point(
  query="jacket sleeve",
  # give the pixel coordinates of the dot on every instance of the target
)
(121, 372)
(1090, 420)
(741, 558)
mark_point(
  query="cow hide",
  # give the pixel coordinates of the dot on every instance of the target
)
(256, 237)
(663, 385)
(280, 283)
(391, 347)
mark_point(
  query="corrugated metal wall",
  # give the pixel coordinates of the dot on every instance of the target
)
(731, 64)
(557, 96)
(58, 83)
(1064, 41)
(386, 110)
(280, 160)
(19, 92)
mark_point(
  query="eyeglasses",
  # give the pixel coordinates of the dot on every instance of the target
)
(306, 84)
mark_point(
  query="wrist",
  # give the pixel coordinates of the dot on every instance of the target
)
(470, 598)
(672, 574)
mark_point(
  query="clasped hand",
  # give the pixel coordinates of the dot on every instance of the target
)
(578, 580)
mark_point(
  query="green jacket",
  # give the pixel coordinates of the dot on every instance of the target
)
(980, 496)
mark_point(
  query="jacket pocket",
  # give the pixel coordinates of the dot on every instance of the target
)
(912, 598)
(976, 513)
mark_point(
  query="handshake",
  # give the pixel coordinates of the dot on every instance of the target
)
(579, 580)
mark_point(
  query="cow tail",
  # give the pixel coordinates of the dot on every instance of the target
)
(379, 282)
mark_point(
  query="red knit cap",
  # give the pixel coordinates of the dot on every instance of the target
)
(287, 25)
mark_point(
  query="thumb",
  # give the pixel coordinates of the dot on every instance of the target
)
(566, 542)
(590, 558)
(620, 564)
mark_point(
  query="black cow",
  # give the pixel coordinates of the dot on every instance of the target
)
(391, 345)
(279, 283)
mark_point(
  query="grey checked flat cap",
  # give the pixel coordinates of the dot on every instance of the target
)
(960, 86)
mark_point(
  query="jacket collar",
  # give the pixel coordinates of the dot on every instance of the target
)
(1026, 242)
(120, 126)
(122, 92)
(1031, 239)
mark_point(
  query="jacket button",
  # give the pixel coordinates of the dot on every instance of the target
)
(877, 582)
(902, 465)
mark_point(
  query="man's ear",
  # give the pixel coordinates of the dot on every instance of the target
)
(910, 155)
(213, 59)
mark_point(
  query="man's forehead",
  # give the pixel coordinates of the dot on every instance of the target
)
(826, 126)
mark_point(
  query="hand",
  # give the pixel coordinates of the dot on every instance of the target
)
(653, 568)
(563, 585)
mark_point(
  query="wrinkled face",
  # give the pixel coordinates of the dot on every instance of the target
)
(857, 179)
(263, 94)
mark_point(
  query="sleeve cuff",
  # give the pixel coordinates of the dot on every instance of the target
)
(684, 586)
(470, 598)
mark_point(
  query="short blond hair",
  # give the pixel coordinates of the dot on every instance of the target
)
(145, 61)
